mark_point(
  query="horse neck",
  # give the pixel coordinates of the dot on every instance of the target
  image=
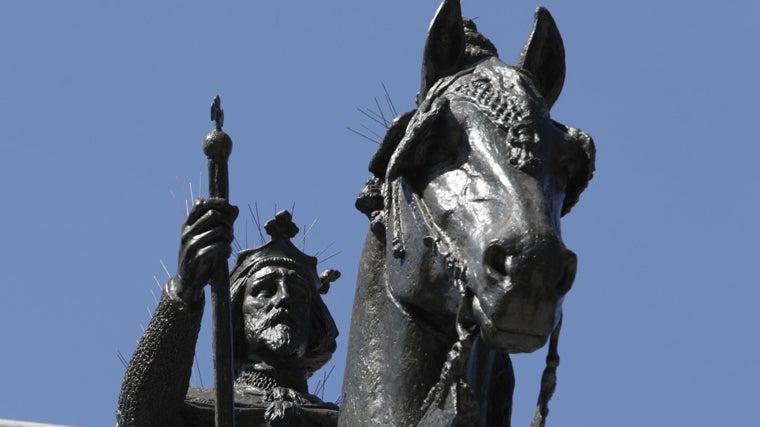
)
(393, 358)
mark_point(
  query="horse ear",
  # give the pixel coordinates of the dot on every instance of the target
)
(544, 56)
(444, 47)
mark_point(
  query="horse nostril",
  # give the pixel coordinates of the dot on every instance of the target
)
(496, 258)
(568, 272)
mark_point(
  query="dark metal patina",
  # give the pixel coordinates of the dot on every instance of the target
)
(465, 262)
(271, 327)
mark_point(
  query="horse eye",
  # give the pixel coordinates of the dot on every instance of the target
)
(435, 154)
(441, 144)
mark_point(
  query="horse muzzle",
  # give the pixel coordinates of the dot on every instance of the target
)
(519, 290)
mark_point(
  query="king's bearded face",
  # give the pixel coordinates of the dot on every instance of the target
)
(276, 312)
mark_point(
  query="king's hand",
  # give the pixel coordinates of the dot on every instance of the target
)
(207, 235)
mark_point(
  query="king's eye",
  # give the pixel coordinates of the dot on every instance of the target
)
(262, 289)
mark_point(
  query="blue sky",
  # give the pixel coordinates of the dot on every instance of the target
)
(104, 105)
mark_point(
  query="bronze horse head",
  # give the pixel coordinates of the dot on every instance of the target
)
(465, 205)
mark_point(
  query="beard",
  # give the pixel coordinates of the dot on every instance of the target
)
(275, 334)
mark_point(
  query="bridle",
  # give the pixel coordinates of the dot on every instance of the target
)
(436, 239)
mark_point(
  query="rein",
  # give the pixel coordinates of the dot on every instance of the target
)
(548, 380)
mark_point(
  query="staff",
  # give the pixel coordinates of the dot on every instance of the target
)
(217, 146)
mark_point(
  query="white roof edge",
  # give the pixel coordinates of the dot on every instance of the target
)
(14, 423)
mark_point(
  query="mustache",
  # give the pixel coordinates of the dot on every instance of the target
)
(275, 317)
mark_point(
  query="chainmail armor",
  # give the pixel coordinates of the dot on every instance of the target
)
(158, 375)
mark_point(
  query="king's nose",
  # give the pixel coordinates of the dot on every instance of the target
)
(535, 261)
(282, 298)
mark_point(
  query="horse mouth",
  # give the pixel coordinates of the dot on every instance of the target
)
(518, 341)
(512, 340)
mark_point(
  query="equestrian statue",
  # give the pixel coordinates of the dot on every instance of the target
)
(464, 261)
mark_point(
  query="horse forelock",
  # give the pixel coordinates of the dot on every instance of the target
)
(509, 105)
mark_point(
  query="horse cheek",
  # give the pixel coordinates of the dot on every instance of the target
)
(422, 263)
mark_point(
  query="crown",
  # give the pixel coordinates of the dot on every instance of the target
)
(280, 251)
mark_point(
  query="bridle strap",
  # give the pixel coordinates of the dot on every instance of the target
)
(548, 380)
(453, 371)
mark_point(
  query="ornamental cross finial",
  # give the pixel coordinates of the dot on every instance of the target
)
(217, 114)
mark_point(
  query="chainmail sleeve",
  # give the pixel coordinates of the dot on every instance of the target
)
(158, 375)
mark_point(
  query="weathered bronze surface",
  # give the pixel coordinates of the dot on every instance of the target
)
(270, 306)
(464, 262)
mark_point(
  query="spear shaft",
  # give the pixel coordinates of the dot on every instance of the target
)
(217, 146)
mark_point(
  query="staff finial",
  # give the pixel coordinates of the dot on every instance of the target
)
(217, 114)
